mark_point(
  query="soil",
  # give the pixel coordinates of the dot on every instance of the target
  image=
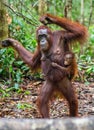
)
(22, 103)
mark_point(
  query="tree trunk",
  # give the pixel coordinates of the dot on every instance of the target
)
(82, 11)
(42, 6)
(68, 9)
(91, 11)
(3, 21)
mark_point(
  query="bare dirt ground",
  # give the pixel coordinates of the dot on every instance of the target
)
(22, 104)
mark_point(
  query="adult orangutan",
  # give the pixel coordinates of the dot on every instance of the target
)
(52, 47)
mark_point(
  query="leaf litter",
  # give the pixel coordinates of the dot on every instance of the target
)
(23, 103)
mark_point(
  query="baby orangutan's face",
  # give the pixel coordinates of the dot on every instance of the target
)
(68, 59)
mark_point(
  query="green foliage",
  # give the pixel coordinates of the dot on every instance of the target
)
(24, 22)
(12, 69)
(23, 106)
(86, 60)
(3, 93)
(7, 63)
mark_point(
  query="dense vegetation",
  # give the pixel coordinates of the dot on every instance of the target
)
(25, 15)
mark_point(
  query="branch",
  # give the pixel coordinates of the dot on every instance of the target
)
(27, 10)
(28, 20)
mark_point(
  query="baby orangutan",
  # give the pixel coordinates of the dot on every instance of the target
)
(70, 66)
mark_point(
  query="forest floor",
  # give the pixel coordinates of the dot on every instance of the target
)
(22, 104)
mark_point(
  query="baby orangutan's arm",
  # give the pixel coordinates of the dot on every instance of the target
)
(60, 67)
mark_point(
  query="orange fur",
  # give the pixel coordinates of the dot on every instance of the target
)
(55, 79)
